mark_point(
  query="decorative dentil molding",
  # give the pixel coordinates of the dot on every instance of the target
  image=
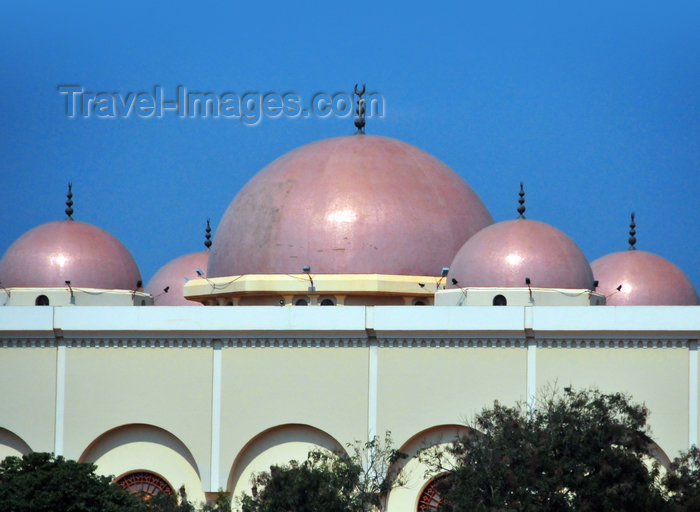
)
(341, 342)
(452, 343)
(611, 343)
(294, 342)
(28, 342)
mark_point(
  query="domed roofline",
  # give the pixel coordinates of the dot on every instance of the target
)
(68, 251)
(167, 283)
(641, 278)
(348, 205)
(521, 252)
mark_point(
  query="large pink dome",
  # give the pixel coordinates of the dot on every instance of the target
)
(645, 279)
(172, 276)
(358, 204)
(53, 253)
(504, 254)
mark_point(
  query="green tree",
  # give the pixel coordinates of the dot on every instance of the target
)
(220, 504)
(326, 482)
(683, 481)
(40, 482)
(572, 451)
(167, 502)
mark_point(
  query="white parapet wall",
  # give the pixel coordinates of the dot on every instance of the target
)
(73, 297)
(518, 297)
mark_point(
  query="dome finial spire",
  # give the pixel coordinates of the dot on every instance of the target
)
(521, 208)
(69, 203)
(207, 242)
(632, 240)
(360, 111)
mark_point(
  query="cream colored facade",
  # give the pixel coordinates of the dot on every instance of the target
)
(206, 396)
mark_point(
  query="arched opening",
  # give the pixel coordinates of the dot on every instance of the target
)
(301, 302)
(145, 449)
(277, 445)
(500, 300)
(12, 444)
(144, 483)
(327, 302)
(415, 470)
(659, 455)
(41, 300)
(419, 303)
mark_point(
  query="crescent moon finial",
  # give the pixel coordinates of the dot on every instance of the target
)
(360, 110)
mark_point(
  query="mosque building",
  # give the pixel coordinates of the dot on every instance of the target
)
(173, 395)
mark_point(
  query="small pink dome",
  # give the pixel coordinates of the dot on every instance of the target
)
(53, 253)
(361, 204)
(504, 254)
(646, 280)
(173, 275)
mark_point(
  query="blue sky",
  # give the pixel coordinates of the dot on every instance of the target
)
(595, 106)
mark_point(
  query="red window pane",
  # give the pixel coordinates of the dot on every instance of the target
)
(144, 483)
(430, 500)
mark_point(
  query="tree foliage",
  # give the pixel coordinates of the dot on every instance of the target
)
(220, 504)
(167, 502)
(326, 482)
(573, 451)
(40, 482)
(683, 481)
